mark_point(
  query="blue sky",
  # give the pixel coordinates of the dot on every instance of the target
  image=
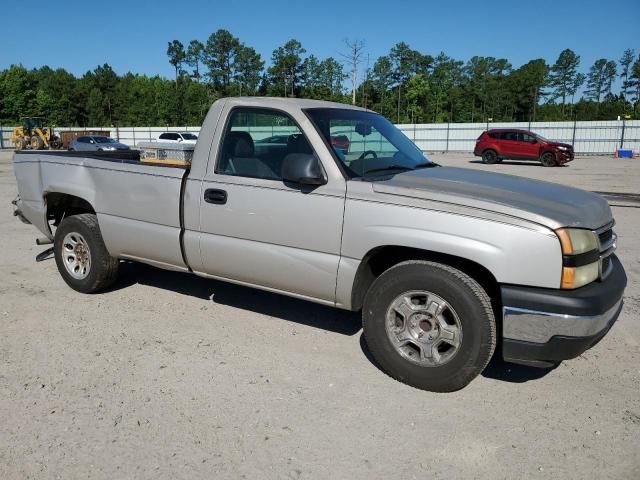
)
(133, 36)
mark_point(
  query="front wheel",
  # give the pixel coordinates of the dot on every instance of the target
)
(429, 325)
(81, 255)
(548, 159)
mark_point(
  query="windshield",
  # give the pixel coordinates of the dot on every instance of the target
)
(189, 136)
(367, 143)
(104, 140)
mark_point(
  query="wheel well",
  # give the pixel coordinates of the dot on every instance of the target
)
(60, 205)
(380, 259)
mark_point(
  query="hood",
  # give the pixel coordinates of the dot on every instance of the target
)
(560, 144)
(545, 203)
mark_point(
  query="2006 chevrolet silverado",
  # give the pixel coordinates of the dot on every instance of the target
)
(444, 263)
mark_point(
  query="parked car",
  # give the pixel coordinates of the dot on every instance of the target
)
(512, 144)
(178, 137)
(341, 142)
(96, 143)
(439, 260)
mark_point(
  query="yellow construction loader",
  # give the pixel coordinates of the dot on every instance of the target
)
(34, 135)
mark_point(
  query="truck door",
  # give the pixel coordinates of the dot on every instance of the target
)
(256, 230)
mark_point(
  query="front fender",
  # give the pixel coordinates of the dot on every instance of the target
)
(520, 254)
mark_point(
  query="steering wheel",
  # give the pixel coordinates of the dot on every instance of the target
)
(364, 154)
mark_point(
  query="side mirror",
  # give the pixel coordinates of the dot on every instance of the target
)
(179, 139)
(302, 169)
(92, 141)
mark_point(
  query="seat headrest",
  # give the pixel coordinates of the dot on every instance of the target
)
(240, 144)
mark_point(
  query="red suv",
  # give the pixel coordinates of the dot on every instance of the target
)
(511, 144)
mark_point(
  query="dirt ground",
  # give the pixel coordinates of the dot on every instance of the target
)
(170, 376)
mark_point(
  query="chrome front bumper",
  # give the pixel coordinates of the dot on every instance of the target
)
(539, 327)
(544, 326)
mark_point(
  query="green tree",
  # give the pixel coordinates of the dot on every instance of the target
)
(219, 54)
(195, 56)
(634, 81)
(523, 89)
(625, 64)
(331, 76)
(417, 92)
(285, 72)
(95, 109)
(600, 78)
(405, 62)
(17, 94)
(446, 73)
(176, 54)
(562, 76)
(382, 77)
(247, 68)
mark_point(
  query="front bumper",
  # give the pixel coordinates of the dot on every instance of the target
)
(543, 326)
(564, 156)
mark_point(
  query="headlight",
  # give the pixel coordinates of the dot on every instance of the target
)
(580, 257)
(576, 240)
(560, 147)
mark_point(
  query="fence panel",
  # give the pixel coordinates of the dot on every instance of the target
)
(588, 138)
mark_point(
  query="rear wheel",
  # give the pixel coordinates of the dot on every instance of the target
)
(81, 256)
(429, 325)
(548, 159)
(489, 157)
(20, 143)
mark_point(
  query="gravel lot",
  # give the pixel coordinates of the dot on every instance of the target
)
(171, 376)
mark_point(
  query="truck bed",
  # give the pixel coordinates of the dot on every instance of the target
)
(138, 205)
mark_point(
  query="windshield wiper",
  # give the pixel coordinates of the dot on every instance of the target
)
(403, 168)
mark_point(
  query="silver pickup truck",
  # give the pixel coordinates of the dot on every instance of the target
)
(446, 264)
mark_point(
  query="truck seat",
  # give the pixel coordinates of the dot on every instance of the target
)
(239, 158)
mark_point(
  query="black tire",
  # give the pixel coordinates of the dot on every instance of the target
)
(103, 269)
(471, 304)
(36, 143)
(548, 159)
(489, 157)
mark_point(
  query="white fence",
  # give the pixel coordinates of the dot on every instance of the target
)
(602, 137)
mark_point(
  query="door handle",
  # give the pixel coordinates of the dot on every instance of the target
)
(213, 195)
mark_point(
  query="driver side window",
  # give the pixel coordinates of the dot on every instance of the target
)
(256, 142)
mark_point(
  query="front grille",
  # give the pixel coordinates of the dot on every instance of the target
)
(605, 236)
(607, 239)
